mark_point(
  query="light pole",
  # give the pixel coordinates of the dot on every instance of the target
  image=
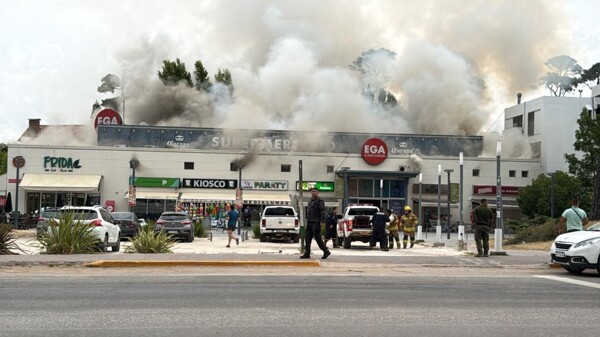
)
(461, 225)
(420, 225)
(498, 231)
(449, 196)
(551, 194)
(241, 201)
(438, 227)
(133, 164)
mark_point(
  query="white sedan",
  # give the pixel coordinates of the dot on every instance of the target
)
(577, 251)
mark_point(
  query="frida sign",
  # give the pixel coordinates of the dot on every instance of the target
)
(374, 151)
(107, 116)
(64, 164)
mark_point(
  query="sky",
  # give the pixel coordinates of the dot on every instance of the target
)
(455, 65)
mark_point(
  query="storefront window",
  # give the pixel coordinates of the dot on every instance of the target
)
(365, 187)
(48, 199)
(93, 199)
(33, 202)
(386, 188)
(352, 187)
(397, 189)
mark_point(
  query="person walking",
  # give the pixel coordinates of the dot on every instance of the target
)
(408, 223)
(315, 218)
(331, 227)
(483, 219)
(393, 228)
(379, 221)
(231, 220)
(572, 219)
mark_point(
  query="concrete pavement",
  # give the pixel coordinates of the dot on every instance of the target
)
(253, 252)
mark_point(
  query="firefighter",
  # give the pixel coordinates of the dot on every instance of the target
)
(408, 222)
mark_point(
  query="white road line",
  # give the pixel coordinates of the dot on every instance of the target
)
(568, 280)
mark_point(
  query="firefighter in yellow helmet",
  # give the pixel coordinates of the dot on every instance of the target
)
(408, 223)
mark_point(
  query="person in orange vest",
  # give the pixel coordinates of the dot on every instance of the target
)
(408, 223)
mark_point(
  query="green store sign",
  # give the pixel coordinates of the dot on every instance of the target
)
(328, 186)
(155, 182)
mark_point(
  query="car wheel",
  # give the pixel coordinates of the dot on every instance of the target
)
(116, 247)
(340, 241)
(190, 237)
(573, 270)
(263, 238)
(347, 243)
(104, 244)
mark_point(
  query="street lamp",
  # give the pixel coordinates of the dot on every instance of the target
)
(133, 164)
(461, 225)
(449, 196)
(420, 225)
(438, 227)
(498, 231)
(552, 193)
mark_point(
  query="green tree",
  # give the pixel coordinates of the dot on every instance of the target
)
(175, 72)
(224, 76)
(3, 158)
(589, 76)
(534, 200)
(201, 77)
(562, 75)
(587, 169)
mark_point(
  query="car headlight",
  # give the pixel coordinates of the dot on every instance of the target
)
(587, 242)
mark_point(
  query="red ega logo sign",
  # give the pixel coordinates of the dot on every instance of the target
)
(107, 116)
(374, 151)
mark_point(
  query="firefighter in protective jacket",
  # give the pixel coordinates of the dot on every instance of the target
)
(408, 223)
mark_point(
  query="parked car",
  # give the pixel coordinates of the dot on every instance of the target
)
(355, 224)
(105, 227)
(129, 223)
(577, 251)
(279, 222)
(176, 224)
(46, 215)
(142, 222)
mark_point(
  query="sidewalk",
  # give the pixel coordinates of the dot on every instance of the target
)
(203, 249)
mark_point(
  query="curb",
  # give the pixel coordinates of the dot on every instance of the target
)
(310, 263)
(554, 265)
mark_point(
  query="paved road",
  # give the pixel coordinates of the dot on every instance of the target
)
(194, 303)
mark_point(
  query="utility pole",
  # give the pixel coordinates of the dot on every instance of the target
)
(301, 205)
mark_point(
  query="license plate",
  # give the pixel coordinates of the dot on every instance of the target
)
(560, 254)
(172, 232)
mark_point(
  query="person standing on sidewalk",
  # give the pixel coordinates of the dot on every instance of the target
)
(408, 222)
(393, 228)
(331, 229)
(483, 219)
(574, 218)
(379, 221)
(231, 219)
(315, 218)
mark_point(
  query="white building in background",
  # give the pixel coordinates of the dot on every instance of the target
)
(548, 124)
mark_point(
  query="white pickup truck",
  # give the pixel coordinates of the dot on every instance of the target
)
(279, 222)
(356, 225)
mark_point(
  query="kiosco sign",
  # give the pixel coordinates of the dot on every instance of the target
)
(107, 116)
(374, 151)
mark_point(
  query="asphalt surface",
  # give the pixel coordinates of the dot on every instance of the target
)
(169, 304)
(214, 250)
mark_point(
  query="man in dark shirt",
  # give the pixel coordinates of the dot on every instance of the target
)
(379, 221)
(315, 218)
(482, 218)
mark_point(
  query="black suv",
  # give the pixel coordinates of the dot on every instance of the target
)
(130, 224)
(176, 224)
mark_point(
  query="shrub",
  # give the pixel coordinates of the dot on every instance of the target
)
(256, 231)
(7, 240)
(69, 236)
(199, 229)
(147, 242)
(544, 232)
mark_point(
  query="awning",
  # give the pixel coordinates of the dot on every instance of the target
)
(208, 197)
(266, 199)
(61, 182)
(166, 195)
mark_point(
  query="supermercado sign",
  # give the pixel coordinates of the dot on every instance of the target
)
(272, 185)
(155, 182)
(491, 189)
(209, 183)
(328, 186)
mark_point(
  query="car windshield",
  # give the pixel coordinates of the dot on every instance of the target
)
(80, 214)
(173, 217)
(122, 215)
(362, 211)
(48, 214)
(279, 211)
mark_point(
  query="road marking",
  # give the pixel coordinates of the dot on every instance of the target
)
(568, 280)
